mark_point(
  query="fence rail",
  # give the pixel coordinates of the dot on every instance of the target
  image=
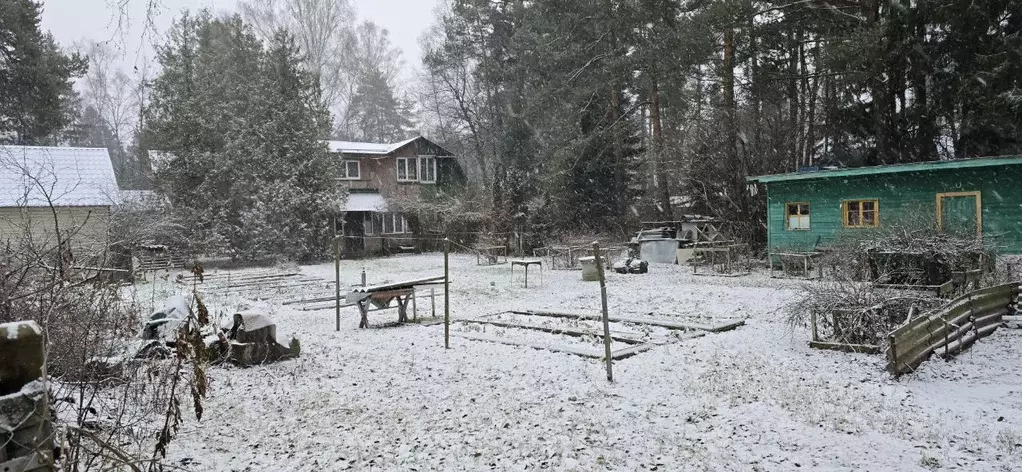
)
(950, 329)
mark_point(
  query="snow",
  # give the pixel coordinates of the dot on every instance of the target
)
(365, 202)
(756, 398)
(352, 147)
(32, 176)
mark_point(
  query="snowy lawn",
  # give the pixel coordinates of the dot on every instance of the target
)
(756, 398)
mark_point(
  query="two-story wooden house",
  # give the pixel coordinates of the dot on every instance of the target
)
(380, 178)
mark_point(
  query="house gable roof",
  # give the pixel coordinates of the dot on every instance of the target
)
(35, 176)
(892, 168)
(425, 146)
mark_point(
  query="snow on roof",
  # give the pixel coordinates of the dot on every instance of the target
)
(352, 147)
(34, 176)
(365, 202)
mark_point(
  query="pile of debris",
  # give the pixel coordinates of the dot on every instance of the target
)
(251, 339)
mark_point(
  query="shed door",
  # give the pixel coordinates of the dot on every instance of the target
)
(959, 213)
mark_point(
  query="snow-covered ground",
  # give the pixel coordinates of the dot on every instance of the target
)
(756, 398)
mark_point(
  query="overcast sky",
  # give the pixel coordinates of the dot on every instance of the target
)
(73, 20)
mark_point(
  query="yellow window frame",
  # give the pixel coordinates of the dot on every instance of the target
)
(979, 209)
(788, 214)
(860, 224)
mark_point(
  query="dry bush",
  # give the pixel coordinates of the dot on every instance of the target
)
(111, 411)
(912, 253)
(867, 312)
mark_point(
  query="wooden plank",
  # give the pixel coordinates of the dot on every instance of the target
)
(615, 335)
(243, 278)
(397, 285)
(857, 348)
(616, 355)
(630, 351)
(325, 298)
(990, 318)
(592, 354)
(669, 324)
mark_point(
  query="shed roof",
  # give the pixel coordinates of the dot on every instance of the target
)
(892, 169)
(34, 176)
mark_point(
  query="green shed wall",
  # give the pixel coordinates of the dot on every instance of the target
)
(899, 194)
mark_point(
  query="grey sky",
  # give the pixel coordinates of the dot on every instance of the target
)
(73, 20)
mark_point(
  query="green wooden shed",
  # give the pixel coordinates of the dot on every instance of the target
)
(981, 196)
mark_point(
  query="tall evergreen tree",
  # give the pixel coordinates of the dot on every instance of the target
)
(243, 124)
(37, 100)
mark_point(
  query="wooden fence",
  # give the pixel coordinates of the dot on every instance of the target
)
(950, 329)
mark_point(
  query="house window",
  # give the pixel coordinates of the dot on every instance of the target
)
(427, 169)
(368, 224)
(406, 169)
(861, 213)
(352, 170)
(394, 223)
(796, 216)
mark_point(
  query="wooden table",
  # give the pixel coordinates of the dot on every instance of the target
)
(526, 263)
(381, 300)
(380, 296)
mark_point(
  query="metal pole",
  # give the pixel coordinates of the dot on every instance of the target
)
(447, 294)
(606, 316)
(337, 281)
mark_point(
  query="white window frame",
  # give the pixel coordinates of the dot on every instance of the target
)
(411, 167)
(431, 169)
(358, 166)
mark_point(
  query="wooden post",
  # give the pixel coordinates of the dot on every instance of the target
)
(447, 294)
(337, 282)
(432, 300)
(363, 276)
(606, 315)
(812, 320)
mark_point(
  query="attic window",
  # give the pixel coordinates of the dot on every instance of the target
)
(796, 216)
(352, 170)
(427, 169)
(406, 169)
(860, 213)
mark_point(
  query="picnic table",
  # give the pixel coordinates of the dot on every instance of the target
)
(381, 296)
(526, 263)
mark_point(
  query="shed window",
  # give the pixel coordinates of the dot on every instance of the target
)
(861, 213)
(796, 216)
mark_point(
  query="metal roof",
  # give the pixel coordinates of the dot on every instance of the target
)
(36, 176)
(892, 169)
(352, 147)
(365, 202)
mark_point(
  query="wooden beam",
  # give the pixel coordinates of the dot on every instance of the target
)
(669, 324)
(860, 348)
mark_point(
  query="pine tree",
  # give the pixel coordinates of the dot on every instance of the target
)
(37, 100)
